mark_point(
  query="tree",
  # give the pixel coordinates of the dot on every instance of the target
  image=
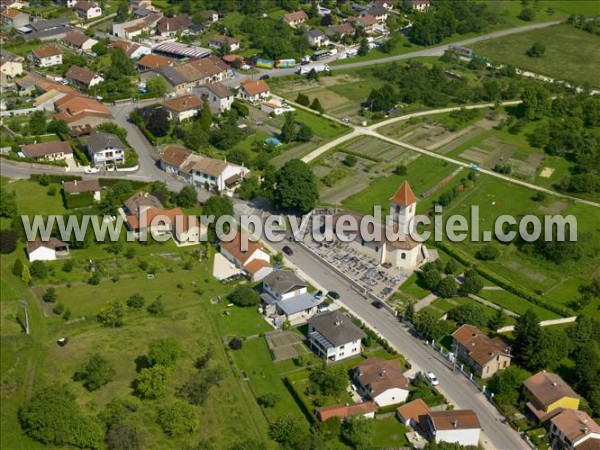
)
(157, 86)
(447, 287)
(305, 133)
(296, 187)
(537, 50)
(156, 308)
(401, 170)
(527, 335)
(268, 400)
(409, 312)
(431, 278)
(289, 129)
(537, 102)
(122, 12)
(451, 267)
(120, 64)
(249, 188)
(197, 389)
(328, 380)
(37, 123)
(178, 418)
(50, 295)
(216, 206)
(187, 197)
(244, 296)
(288, 431)
(363, 48)
(487, 253)
(313, 75)
(96, 372)
(164, 352)
(113, 128)
(429, 326)
(58, 127)
(111, 315)
(38, 269)
(136, 301)
(350, 160)
(236, 344)
(206, 117)
(316, 106)
(17, 268)
(527, 14)
(157, 122)
(303, 99)
(121, 436)
(496, 322)
(151, 383)
(472, 283)
(506, 384)
(587, 373)
(359, 433)
(8, 241)
(52, 417)
(553, 348)
(470, 314)
(8, 204)
(26, 275)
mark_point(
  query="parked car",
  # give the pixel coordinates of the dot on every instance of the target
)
(432, 379)
(318, 295)
(287, 250)
(265, 77)
(334, 295)
(377, 304)
(91, 170)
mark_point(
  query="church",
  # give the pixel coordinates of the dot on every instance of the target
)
(401, 252)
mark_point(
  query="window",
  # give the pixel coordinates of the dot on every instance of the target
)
(342, 347)
(402, 255)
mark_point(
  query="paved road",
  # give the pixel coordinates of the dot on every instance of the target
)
(457, 389)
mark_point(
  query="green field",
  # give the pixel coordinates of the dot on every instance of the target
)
(571, 54)
(514, 303)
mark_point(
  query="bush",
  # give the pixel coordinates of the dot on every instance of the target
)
(58, 309)
(236, 344)
(38, 270)
(95, 279)
(350, 160)
(401, 170)
(177, 419)
(487, 253)
(8, 241)
(68, 266)
(136, 301)
(50, 295)
(156, 308)
(244, 296)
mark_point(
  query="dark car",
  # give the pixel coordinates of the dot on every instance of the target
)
(334, 295)
(377, 304)
(288, 251)
(265, 77)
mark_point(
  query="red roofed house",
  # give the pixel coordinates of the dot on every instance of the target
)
(153, 62)
(79, 41)
(50, 250)
(574, 430)
(460, 426)
(87, 10)
(254, 261)
(77, 187)
(295, 18)
(410, 412)
(83, 77)
(484, 355)
(14, 18)
(343, 412)
(183, 108)
(48, 151)
(170, 26)
(254, 90)
(77, 111)
(547, 392)
(184, 229)
(381, 381)
(46, 56)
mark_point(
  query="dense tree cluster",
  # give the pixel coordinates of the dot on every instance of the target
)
(275, 38)
(295, 187)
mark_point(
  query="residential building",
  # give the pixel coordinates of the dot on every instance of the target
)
(210, 16)
(254, 90)
(317, 37)
(295, 19)
(184, 229)
(45, 30)
(77, 187)
(183, 108)
(139, 202)
(484, 355)
(87, 10)
(49, 250)
(379, 12)
(457, 426)
(546, 392)
(381, 381)
(276, 107)
(343, 412)
(170, 26)
(338, 32)
(334, 336)
(154, 62)
(574, 430)
(79, 111)
(183, 78)
(224, 43)
(131, 49)
(387, 4)
(14, 18)
(133, 28)
(285, 298)
(105, 148)
(134, 5)
(367, 23)
(410, 412)
(83, 77)
(46, 56)
(79, 41)
(10, 66)
(48, 151)
(251, 257)
(219, 97)
(66, 3)
(420, 5)
(13, 4)
(173, 158)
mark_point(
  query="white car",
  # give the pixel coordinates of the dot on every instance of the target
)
(91, 170)
(432, 378)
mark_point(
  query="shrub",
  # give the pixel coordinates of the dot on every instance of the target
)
(236, 344)
(487, 253)
(156, 308)
(68, 265)
(50, 295)
(136, 301)
(58, 309)
(38, 269)
(244, 296)
(8, 241)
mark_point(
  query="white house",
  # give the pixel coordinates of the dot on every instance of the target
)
(295, 19)
(183, 108)
(276, 107)
(573, 430)
(184, 229)
(460, 426)
(77, 187)
(223, 43)
(381, 380)
(46, 56)
(87, 10)
(285, 298)
(105, 148)
(317, 38)
(219, 175)
(220, 98)
(48, 151)
(409, 413)
(51, 250)
(254, 90)
(334, 336)
(83, 77)
(252, 259)
(10, 66)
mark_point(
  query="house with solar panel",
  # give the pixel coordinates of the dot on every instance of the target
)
(333, 336)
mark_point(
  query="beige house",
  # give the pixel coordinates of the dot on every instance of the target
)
(46, 56)
(87, 10)
(254, 90)
(48, 151)
(79, 41)
(484, 355)
(295, 19)
(183, 108)
(10, 67)
(14, 18)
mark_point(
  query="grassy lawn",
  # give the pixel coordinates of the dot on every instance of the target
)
(412, 289)
(571, 54)
(323, 128)
(389, 433)
(546, 10)
(514, 303)
(34, 199)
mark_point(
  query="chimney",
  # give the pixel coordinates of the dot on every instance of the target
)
(75, 182)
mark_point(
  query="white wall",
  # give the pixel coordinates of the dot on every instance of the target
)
(42, 254)
(344, 351)
(463, 437)
(391, 397)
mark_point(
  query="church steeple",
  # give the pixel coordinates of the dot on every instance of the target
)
(402, 207)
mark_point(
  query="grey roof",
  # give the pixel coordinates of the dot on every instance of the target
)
(100, 141)
(141, 200)
(172, 76)
(283, 281)
(267, 299)
(377, 10)
(337, 328)
(315, 32)
(43, 25)
(298, 303)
